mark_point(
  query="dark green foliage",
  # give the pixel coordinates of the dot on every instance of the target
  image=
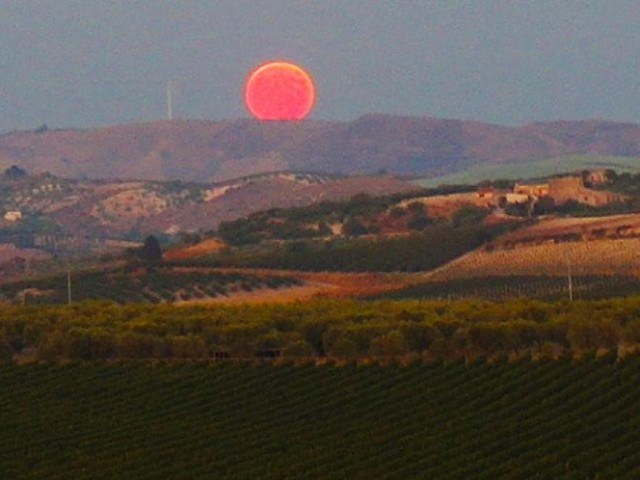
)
(187, 238)
(151, 250)
(626, 183)
(29, 226)
(354, 228)
(308, 222)
(501, 183)
(437, 245)
(41, 129)
(6, 350)
(239, 232)
(522, 209)
(576, 209)
(419, 222)
(14, 173)
(303, 222)
(436, 330)
(397, 212)
(469, 215)
(550, 419)
(544, 206)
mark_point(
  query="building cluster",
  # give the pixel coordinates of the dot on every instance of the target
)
(577, 187)
(560, 190)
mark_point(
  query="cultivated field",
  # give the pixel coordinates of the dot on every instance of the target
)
(312, 285)
(612, 226)
(143, 285)
(598, 257)
(550, 420)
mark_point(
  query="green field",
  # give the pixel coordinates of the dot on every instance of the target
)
(553, 419)
(534, 168)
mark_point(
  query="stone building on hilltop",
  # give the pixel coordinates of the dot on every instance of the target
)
(569, 188)
(565, 189)
(597, 177)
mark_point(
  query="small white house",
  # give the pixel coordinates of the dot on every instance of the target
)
(515, 198)
(13, 216)
(172, 230)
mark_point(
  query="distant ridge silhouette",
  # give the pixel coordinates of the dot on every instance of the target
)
(203, 150)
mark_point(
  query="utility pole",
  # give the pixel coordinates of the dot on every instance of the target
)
(569, 276)
(169, 100)
(570, 281)
(69, 286)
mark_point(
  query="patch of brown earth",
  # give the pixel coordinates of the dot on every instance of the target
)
(205, 247)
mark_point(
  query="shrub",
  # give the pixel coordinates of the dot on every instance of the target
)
(298, 349)
(6, 352)
(344, 348)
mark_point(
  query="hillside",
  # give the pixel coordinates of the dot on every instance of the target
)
(59, 213)
(601, 254)
(202, 150)
(599, 257)
(532, 169)
(551, 228)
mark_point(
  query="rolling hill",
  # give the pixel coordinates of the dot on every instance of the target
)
(52, 205)
(535, 168)
(203, 150)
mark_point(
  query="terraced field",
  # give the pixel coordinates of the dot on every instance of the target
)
(553, 419)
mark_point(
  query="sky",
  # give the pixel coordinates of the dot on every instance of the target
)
(90, 63)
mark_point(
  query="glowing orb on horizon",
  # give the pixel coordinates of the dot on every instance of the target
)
(279, 91)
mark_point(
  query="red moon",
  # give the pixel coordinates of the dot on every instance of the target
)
(279, 91)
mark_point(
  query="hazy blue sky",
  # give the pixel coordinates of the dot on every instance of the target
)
(83, 63)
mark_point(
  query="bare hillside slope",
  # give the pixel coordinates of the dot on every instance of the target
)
(202, 150)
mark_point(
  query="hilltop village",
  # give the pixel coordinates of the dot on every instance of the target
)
(560, 190)
(585, 187)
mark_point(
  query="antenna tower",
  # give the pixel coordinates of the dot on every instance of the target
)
(170, 100)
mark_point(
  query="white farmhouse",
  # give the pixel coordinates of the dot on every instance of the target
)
(13, 216)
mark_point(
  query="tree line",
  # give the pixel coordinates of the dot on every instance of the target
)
(338, 329)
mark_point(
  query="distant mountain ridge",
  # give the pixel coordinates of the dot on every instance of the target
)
(204, 150)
